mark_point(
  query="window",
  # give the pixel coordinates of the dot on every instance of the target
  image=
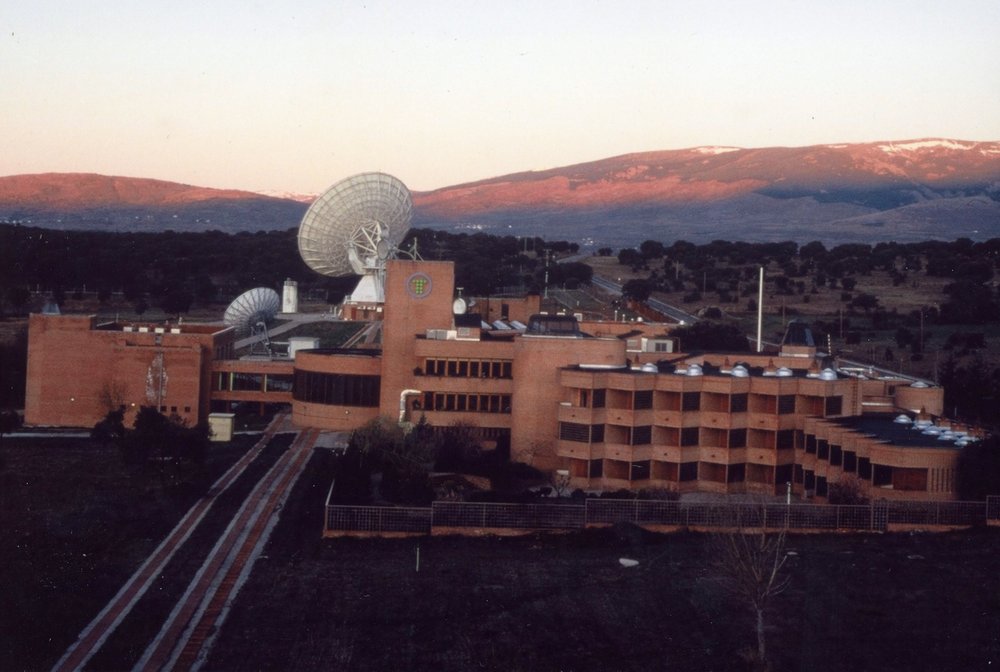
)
(821, 486)
(251, 382)
(783, 474)
(836, 455)
(641, 435)
(574, 431)
(864, 468)
(811, 443)
(642, 399)
(834, 406)
(881, 475)
(337, 389)
(596, 468)
(277, 383)
(810, 480)
(691, 401)
(850, 461)
(737, 438)
(799, 474)
(786, 404)
(738, 403)
(688, 471)
(640, 470)
(689, 436)
(822, 449)
(737, 473)
(785, 439)
(468, 368)
(600, 398)
(597, 433)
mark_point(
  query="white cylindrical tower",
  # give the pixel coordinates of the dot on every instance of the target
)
(290, 297)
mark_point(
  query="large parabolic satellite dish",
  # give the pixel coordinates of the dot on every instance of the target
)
(251, 308)
(353, 227)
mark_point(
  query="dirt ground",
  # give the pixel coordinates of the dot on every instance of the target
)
(917, 601)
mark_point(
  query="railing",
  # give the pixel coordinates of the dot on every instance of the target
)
(877, 516)
(510, 516)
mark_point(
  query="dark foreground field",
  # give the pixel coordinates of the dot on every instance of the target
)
(563, 602)
(75, 523)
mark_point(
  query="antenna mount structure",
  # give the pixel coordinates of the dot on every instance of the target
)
(354, 228)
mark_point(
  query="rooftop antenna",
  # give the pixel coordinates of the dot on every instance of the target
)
(354, 227)
(249, 312)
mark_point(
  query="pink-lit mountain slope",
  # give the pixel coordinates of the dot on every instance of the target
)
(900, 190)
(830, 192)
(101, 202)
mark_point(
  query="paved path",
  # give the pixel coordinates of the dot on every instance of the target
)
(205, 603)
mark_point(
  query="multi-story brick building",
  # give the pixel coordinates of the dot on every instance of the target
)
(609, 402)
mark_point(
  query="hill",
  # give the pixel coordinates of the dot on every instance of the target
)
(903, 191)
(83, 201)
(888, 191)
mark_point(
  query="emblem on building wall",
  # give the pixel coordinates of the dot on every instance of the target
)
(418, 285)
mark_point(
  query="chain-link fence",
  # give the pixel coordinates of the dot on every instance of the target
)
(509, 516)
(877, 516)
(378, 519)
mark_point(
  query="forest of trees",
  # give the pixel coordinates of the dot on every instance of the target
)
(175, 270)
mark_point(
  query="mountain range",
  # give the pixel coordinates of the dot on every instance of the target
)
(903, 190)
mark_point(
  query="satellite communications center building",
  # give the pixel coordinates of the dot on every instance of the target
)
(612, 403)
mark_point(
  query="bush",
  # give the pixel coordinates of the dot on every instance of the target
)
(848, 490)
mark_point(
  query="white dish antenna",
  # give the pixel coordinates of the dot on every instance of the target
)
(251, 309)
(354, 227)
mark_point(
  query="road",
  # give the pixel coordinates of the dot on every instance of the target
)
(672, 312)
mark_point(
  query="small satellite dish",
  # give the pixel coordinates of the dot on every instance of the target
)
(354, 227)
(458, 306)
(251, 308)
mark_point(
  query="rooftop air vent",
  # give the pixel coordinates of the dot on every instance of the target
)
(740, 371)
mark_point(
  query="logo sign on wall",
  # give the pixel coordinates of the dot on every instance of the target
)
(419, 285)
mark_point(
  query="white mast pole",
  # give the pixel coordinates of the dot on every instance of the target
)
(760, 310)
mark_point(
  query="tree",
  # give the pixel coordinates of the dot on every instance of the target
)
(9, 421)
(751, 565)
(848, 490)
(978, 470)
(110, 429)
(711, 336)
(637, 289)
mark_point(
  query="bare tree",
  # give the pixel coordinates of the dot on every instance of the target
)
(751, 564)
(113, 395)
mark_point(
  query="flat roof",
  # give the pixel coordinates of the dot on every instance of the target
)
(885, 429)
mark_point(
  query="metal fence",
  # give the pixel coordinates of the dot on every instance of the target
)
(510, 516)
(378, 519)
(877, 516)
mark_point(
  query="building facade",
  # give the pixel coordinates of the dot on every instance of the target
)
(609, 402)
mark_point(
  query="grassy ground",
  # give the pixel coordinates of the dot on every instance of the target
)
(76, 523)
(563, 602)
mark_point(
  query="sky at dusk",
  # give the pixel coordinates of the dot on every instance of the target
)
(293, 97)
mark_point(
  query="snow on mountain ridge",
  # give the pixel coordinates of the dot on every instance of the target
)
(898, 147)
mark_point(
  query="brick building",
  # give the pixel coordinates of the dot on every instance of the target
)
(610, 402)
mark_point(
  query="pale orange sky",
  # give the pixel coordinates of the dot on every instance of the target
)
(294, 97)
